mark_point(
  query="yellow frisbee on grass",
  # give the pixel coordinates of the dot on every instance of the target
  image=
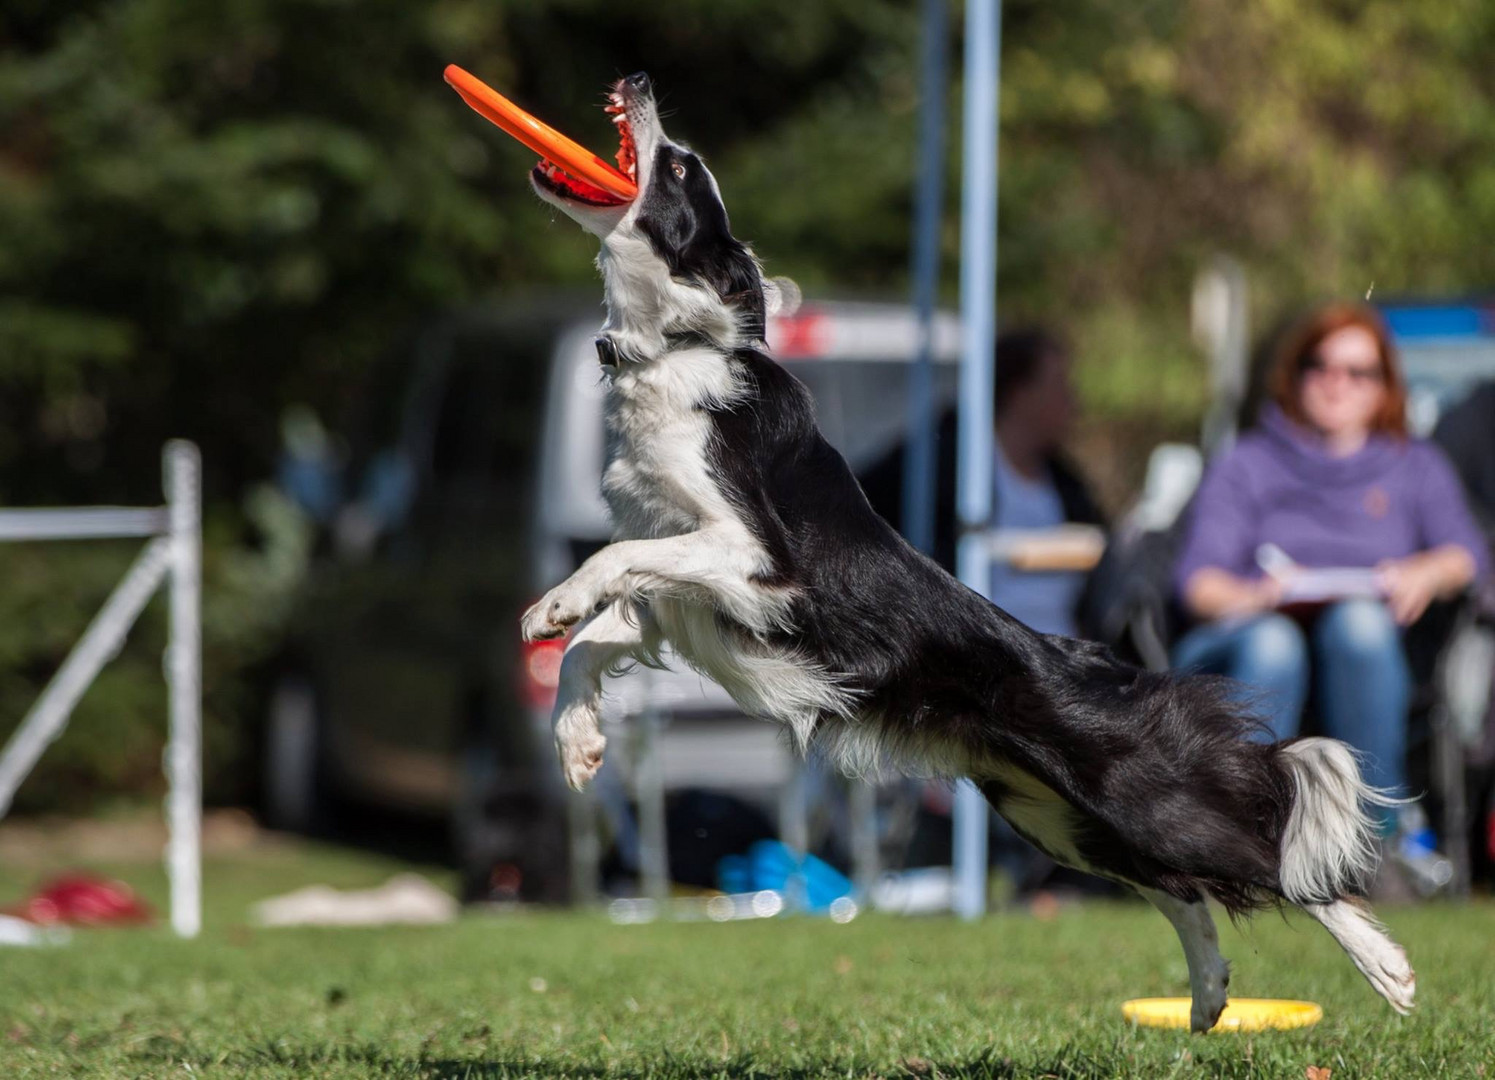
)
(1241, 1014)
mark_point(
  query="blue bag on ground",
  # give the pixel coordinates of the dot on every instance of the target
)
(807, 883)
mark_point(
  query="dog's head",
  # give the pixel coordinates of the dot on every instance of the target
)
(669, 258)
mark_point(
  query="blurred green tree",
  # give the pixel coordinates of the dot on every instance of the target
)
(1327, 145)
(209, 211)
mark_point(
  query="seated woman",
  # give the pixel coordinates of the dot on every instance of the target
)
(1330, 478)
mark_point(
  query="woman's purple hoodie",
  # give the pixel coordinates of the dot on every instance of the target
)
(1391, 498)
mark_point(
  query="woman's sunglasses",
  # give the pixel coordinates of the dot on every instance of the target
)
(1315, 368)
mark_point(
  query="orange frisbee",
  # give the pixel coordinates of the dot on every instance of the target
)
(573, 158)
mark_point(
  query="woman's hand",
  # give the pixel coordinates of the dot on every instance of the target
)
(1411, 585)
(1212, 593)
(1414, 582)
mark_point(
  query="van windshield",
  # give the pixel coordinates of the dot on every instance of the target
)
(862, 405)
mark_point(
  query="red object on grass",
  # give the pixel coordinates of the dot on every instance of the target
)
(81, 900)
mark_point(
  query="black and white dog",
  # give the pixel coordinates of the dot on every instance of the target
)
(744, 541)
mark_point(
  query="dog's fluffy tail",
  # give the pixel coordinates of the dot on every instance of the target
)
(1329, 845)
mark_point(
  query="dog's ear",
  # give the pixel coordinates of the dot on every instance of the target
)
(728, 266)
(781, 297)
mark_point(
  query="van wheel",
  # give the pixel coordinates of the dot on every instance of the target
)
(294, 799)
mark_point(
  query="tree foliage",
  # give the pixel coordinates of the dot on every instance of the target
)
(209, 211)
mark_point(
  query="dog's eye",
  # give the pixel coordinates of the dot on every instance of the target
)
(678, 169)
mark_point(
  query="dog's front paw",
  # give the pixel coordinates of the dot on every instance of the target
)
(579, 744)
(557, 611)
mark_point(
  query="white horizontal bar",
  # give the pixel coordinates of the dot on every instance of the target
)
(83, 523)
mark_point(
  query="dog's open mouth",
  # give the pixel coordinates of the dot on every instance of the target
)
(559, 182)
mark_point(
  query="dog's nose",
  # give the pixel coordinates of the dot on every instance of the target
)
(638, 82)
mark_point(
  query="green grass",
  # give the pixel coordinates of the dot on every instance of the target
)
(571, 994)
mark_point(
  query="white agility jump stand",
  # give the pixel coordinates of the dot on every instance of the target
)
(173, 556)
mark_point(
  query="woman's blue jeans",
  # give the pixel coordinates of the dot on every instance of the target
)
(1363, 684)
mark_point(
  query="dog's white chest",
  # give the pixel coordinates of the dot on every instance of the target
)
(651, 484)
(660, 484)
(658, 480)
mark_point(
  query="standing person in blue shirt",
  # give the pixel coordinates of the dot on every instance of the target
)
(1036, 488)
(1035, 485)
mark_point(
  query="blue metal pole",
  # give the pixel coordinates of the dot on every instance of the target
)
(919, 463)
(978, 299)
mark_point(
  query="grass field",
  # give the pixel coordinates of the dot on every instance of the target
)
(572, 995)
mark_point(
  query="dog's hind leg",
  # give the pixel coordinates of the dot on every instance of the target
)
(1328, 846)
(1382, 961)
(1209, 974)
(599, 644)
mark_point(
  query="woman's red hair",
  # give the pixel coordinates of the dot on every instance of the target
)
(1298, 346)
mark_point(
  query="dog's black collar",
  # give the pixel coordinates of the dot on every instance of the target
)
(607, 351)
